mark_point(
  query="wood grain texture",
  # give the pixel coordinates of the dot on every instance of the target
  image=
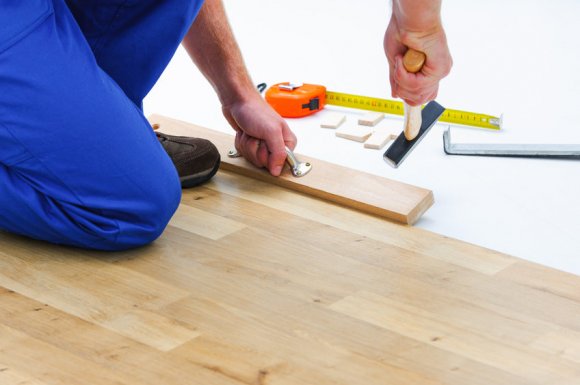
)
(379, 196)
(371, 119)
(106, 307)
(380, 137)
(333, 120)
(296, 291)
(356, 133)
(413, 62)
(203, 223)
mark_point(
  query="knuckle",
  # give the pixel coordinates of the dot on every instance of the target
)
(405, 37)
(279, 155)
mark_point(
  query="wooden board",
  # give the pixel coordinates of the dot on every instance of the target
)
(379, 196)
(254, 284)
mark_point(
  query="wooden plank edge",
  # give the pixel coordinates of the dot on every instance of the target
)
(286, 180)
(408, 218)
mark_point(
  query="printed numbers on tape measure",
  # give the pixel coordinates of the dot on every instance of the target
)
(471, 119)
(396, 108)
(365, 103)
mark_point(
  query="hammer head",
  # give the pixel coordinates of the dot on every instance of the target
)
(401, 147)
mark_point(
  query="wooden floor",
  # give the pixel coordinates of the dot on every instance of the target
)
(253, 284)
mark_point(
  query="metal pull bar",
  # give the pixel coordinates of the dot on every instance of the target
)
(298, 168)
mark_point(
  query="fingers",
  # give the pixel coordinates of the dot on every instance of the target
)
(394, 90)
(277, 140)
(251, 149)
(393, 48)
(261, 134)
(269, 152)
(289, 138)
(413, 88)
(262, 154)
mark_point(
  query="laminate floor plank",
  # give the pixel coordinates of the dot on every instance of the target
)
(53, 332)
(203, 223)
(93, 290)
(424, 326)
(253, 284)
(453, 280)
(327, 213)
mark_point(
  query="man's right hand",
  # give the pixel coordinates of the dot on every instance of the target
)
(423, 32)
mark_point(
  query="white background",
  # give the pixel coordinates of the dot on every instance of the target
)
(520, 58)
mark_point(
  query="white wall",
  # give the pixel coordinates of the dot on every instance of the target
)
(520, 58)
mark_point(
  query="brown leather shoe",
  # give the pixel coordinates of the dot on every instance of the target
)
(196, 160)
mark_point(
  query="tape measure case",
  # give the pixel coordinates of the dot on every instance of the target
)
(295, 101)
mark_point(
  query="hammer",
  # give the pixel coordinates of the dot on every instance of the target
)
(418, 121)
(413, 61)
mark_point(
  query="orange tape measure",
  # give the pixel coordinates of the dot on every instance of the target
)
(295, 100)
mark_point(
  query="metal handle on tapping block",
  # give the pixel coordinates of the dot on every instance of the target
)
(545, 151)
(298, 168)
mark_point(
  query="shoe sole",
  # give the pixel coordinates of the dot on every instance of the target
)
(199, 178)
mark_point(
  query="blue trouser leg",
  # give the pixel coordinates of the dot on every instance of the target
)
(133, 40)
(79, 164)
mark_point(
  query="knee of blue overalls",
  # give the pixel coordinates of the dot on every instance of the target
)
(147, 215)
(119, 216)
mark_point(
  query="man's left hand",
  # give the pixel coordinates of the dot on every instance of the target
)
(261, 134)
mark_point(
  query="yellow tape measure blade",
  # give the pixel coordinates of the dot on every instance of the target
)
(364, 103)
(394, 107)
(472, 119)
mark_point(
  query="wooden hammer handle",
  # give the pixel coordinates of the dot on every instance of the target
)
(413, 62)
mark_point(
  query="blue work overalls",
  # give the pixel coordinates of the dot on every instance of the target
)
(79, 163)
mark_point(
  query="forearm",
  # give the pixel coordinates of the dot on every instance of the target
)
(211, 45)
(418, 16)
(261, 134)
